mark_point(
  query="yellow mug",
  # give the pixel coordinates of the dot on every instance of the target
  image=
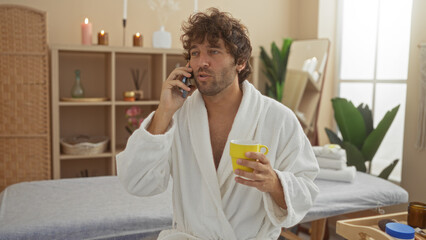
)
(238, 148)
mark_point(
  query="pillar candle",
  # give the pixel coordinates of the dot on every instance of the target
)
(102, 38)
(195, 6)
(86, 32)
(137, 40)
(124, 9)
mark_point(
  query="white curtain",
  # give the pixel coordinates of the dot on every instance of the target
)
(421, 138)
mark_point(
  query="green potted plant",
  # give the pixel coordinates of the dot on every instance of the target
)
(360, 139)
(275, 68)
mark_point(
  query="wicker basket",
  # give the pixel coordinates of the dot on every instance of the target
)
(84, 145)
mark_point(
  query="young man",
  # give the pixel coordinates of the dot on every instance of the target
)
(188, 138)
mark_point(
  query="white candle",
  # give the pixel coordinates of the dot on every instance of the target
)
(86, 32)
(124, 9)
(195, 6)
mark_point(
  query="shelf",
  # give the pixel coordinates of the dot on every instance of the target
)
(312, 84)
(101, 155)
(302, 94)
(136, 103)
(109, 49)
(301, 118)
(105, 103)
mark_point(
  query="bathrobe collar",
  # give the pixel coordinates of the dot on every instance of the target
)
(243, 127)
(200, 141)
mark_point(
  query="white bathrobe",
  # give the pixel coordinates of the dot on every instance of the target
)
(209, 204)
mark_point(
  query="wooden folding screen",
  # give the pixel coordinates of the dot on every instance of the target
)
(25, 153)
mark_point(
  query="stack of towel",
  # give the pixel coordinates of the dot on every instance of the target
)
(332, 162)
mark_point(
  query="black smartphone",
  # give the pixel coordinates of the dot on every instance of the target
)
(187, 82)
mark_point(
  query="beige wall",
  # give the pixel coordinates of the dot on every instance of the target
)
(327, 11)
(414, 162)
(307, 19)
(266, 22)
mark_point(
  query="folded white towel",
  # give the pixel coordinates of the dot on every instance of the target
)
(333, 151)
(346, 174)
(331, 163)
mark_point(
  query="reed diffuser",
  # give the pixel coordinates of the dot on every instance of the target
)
(137, 81)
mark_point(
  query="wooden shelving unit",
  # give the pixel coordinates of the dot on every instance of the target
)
(105, 73)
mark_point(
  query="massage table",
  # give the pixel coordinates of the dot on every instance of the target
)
(99, 207)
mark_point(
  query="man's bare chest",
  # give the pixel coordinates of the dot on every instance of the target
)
(218, 137)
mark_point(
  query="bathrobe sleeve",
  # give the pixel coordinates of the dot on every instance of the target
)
(144, 166)
(296, 167)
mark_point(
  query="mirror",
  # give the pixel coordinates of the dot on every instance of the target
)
(309, 56)
(304, 80)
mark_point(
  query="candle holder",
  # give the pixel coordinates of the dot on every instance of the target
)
(124, 32)
(124, 21)
(103, 38)
(137, 40)
(129, 96)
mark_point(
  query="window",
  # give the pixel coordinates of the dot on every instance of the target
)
(374, 37)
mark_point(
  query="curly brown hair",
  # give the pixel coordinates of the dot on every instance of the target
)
(214, 25)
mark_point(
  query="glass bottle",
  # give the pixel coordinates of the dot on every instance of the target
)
(77, 90)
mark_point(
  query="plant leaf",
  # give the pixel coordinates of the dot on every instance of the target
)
(275, 67)
(284, 53)
(332, 136)
(128, 129)
(354, 157)
(285, 50)
(272, 86)
(280, 90)
(267, 61)
(350, 121)
(271, 75)
(388, 170)
(367, 116)
(277, 61)
(280, 63)
(373, 141)
(268, 91)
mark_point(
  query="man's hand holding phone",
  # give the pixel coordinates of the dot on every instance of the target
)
(172, 98)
